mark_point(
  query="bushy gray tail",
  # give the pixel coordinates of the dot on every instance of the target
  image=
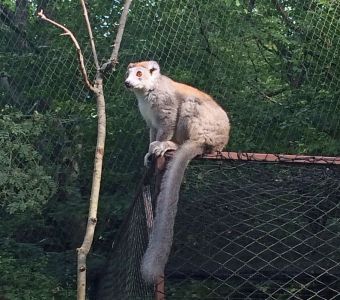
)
(160, 241)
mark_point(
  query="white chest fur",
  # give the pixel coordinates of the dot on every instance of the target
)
(147, 112)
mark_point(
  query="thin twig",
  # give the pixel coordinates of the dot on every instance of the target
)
(97, 88)
(208, 47)
(76, 44)
(118, 40)
(111, 63)
(89, 29)
(84, 249)
(270, 94)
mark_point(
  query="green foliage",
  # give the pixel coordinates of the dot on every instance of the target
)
(276, 76)
(27, 266)
(24, 182)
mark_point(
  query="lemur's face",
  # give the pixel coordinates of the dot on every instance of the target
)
(141, 76)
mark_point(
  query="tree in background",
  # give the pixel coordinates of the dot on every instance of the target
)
(272, 64)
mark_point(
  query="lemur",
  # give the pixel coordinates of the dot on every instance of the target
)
(181, 118)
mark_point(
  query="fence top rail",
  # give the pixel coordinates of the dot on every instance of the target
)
(273, 158)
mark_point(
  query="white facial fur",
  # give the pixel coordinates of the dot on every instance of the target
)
(142, 76)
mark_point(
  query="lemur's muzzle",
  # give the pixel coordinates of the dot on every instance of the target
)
(128, 84)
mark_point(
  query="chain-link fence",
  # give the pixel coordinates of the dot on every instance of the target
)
(244, 230)
(273, 65)
(250, 230)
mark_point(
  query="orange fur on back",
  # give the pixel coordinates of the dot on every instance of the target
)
(187, 90)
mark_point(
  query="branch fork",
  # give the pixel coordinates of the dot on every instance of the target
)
(67, 32)
(97, 88)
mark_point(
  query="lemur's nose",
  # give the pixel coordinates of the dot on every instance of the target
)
(127, 84)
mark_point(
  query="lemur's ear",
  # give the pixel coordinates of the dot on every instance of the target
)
(131, 65)
(152, 70)
(154, 67)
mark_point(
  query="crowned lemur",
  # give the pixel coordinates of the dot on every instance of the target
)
(180, 118)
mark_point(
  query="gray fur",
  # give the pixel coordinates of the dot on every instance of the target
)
(179, 116)
(161, 237)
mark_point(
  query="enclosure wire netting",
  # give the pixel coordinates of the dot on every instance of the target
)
(295, 112)
(244, 230)
(278, 78)
(272, 233)
(256, 230)
(122, 279)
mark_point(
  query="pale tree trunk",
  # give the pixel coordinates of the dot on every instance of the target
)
(97, 89)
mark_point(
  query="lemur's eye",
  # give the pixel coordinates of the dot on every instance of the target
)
(139, 74)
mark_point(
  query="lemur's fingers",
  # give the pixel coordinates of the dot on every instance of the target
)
(158, 151)
(169, 146)
(163, 152)
(159, 148)
(154, 146)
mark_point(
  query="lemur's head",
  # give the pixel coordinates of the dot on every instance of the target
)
(141, 76)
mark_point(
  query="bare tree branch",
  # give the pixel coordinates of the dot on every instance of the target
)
(268, 95)
(121, 27)
(98, 161)
(89, 29)
(208, 47)
(76, 44)
(111, 63)
(97, 88)
(95, 189)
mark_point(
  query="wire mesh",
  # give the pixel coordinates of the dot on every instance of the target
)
(264, 231)
(274, 66)
(122, 279)
(257, 73)
(244, 230)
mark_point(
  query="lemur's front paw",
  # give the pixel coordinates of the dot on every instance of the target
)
(148, 160)
(159, 148)
(156, 148)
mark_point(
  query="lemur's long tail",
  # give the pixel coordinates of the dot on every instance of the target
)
(160, 241)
